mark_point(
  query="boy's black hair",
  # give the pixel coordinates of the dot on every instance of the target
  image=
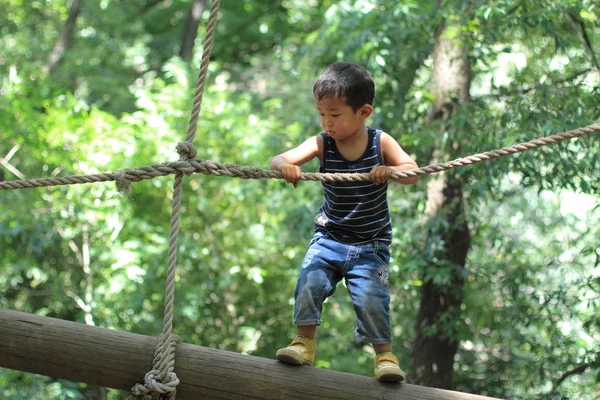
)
(346, 81)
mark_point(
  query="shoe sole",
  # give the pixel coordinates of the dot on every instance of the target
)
(389, 375)
(291, 357)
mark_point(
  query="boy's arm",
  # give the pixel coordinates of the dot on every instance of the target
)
(396, 160)
(288, 163)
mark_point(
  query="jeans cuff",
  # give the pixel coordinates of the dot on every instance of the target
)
(305, 322)
(374, 341)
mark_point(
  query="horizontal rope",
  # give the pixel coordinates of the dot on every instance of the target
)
(207, 167)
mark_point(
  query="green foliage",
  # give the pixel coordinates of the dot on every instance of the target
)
(121, 98)
(528, 281)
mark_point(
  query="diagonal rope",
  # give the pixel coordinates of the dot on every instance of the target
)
(208, 43)
(164, 358)
(207, 167)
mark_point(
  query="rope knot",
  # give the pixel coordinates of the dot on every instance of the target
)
(123, 184)
(186, 151)
(153, 384)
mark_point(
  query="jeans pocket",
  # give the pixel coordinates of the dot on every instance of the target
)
(381, 252)
(318, 238)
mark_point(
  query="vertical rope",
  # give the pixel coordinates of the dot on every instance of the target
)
(164, 355)
(166, 358)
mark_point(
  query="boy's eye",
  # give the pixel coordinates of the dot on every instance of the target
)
(335, 115)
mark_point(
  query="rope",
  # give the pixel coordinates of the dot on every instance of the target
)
(210, 33)
(207, 167)
(153, 382)
(161, 381)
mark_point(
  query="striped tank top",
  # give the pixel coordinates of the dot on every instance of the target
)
(354, 212)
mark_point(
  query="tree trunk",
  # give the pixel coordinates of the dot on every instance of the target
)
(448, 237)
(190, 30)
(65, 38)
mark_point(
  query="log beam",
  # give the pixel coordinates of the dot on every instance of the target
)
(82, 353)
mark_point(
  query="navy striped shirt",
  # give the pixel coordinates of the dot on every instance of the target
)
(354, 212)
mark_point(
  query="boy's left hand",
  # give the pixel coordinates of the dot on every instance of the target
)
(380, 174)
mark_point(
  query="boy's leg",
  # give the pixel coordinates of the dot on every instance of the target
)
(382, 348)
(317, 281)
(367, 283)
(307, 331)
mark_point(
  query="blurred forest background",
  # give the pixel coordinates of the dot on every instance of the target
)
(495, 277)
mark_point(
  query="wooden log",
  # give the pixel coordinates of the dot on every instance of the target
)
(113, 359)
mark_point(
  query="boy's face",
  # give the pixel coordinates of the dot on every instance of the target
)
(339, 120)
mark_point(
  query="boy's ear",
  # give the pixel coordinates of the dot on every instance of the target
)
(365, 110)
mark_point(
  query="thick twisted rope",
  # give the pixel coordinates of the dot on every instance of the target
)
(154, 384)
(161, 381)
(207, 167)
(208, 43)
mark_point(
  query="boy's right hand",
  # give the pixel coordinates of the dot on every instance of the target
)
(291, 173)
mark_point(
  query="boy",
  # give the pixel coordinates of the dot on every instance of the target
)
(352, 229)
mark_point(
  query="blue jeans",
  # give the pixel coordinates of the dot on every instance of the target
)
(365, 270)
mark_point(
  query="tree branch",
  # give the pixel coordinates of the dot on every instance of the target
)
(523, 90)
(577, 22)
(575, 371)
(146, 7)
(11, 168)
(190, 29)
(12, 152)
(65, 38)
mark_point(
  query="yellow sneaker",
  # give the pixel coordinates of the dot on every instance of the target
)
(300, 351)
(387, 368)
